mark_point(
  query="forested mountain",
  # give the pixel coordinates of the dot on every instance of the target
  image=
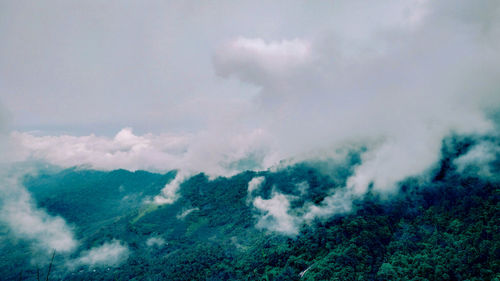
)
(444, 226)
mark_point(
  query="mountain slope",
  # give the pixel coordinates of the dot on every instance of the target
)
(445, 227)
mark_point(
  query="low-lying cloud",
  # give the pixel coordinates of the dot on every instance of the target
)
(187, 152)
(285, 213)
(169, 194)
(18, 210)
(276, 216)
(109, 254)
(479, 159)
(185, 212)
(155, 242)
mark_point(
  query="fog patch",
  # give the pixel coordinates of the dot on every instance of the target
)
(169, 194)
(185, 212)
(302, 187)
(478, 159)
(19, 211)
(155, 242)
(275, 214)
(109, 254)
(340, 202)
(253, 186)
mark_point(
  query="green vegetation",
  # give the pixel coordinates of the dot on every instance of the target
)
(445, 228)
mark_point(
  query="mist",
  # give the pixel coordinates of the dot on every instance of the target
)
(20, 213)
(109, 254)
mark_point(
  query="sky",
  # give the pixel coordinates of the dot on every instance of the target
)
(224, 86)
(81, 67)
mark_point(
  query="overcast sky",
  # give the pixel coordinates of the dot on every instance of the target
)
(212, 85)
(83, 67)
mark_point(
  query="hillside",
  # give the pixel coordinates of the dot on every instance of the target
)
(445, 227)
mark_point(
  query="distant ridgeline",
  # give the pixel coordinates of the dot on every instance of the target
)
(443, 228)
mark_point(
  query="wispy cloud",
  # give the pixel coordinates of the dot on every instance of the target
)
(276, 216)
(155, 242)
(478, 159)
(185, 212)
(108, 254)
(19, 211)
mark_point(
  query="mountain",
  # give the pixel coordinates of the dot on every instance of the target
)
(444, 226)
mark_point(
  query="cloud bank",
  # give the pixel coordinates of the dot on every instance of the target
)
(186, 152)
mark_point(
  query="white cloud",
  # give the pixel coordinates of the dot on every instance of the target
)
(186, 212)
(478, 159)
(169, 194)
(255, 183)
(392, 161)
(255, 60)
(211, 153)
(18, 210)
(303, 187)
(340, 202)
(276, 215)
(155, 242)
(108, 254)
(125, 150)
(190, 153)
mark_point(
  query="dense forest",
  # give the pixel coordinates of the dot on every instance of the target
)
(441, 226)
